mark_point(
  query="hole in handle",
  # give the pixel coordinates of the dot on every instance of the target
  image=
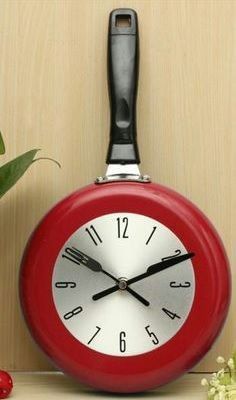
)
(123, 21)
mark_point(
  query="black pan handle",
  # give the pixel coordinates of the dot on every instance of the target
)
(123, 57)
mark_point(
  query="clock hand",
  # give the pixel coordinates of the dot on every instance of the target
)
(153, 269)
(94, 265)
(160, 266)
(105, 292)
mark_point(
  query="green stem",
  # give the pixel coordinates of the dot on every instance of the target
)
(47, 158)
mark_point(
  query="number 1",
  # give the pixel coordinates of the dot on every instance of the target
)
(150, 236)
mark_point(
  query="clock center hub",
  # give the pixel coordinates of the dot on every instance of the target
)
(122, 283)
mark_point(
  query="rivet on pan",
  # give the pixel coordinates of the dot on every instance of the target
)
(99, 179)
(146, 178)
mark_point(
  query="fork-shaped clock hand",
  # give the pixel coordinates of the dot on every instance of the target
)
(95, 266)
(153, 269)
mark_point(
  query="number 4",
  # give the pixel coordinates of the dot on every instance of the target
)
(170, 313)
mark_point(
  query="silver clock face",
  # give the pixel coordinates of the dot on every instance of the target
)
(135, 317)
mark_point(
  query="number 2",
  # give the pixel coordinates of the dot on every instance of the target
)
(177, 253)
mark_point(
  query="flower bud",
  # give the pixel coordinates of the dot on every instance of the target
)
(212, 391)
(231, 364)
(220, 360)
(204, 382)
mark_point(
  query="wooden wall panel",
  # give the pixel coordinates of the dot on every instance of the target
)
(53, 96)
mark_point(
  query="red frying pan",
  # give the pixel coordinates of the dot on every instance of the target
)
(124, 284)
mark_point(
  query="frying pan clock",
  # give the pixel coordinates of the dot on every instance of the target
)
(124, 284)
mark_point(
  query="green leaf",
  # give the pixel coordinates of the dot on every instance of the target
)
(2, 145)
(225, 380)
(47, 158)
(13, 170)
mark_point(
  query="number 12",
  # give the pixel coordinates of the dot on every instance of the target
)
(122, 223)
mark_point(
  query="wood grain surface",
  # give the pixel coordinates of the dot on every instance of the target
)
(53, 96)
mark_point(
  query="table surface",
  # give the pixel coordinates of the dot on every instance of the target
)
(57, 386)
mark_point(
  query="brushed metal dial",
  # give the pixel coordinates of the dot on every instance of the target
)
(124, 245)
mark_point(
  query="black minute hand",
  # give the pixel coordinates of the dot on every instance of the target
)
(151, 270)
(160, 266)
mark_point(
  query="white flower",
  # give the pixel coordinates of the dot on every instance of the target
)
(231, 387)
(220, 360)
(231, 364)
(204, 382)
(222, 384)
(221, 388)
(231, 395)
(221, 396)
(221, 373)
(212, 391)
(214, 382)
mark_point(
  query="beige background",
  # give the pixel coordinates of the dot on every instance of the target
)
(53, 96)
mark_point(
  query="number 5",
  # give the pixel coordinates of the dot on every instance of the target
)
(152, 335)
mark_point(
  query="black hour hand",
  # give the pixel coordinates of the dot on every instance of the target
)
(79, 257)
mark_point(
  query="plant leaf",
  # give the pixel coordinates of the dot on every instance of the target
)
(225, 380)
(2, 145)
(13, 170)
(47, 158)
